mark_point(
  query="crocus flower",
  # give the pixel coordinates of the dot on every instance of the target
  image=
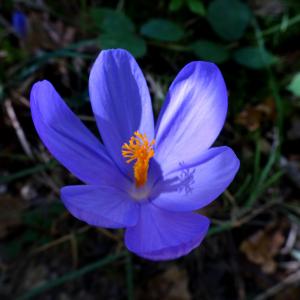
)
(19, 23)
(144, 178)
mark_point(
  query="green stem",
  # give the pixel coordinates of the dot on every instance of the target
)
(27, 172)
(129, 277)
(220, 228)
(71, 276)
(276, 28)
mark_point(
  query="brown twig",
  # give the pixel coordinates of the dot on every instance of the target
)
(245, 217)
(87, 118)
(16, 125)
(74, 249)
(291, 239)
(70, 237)
(255, 212)
(108, 234)
(230, 197)
(65, 238)
(290, 280)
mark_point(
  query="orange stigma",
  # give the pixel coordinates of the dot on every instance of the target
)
(140, 150)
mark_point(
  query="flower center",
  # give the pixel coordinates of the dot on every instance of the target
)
(140, 150)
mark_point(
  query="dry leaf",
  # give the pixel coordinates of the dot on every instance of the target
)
(253, 116)
(263, 246)
(170, 285)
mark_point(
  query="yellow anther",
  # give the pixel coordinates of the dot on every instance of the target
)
(140, 150)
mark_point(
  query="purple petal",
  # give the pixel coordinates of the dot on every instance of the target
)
(163, 235)
(193, 186)
(69, 141)
(103, 206)
(193, 114)
(120, 100)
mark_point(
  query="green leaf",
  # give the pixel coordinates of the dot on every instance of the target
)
(294, 86)
(109, 20)
(129, 41)
(210, 51)
(196, 6)
(229, 18)
(175, 5)
(13, 249)
(162, 30)
(254, 58)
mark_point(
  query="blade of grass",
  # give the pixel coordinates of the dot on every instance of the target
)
(243, 217)
(227, 225)
(257, 156)
(243, 187)
(258, 184)
(30, 171)
(32, 65)
(35, 65)
(72, 275)
(10, 156)
(129, 277)
(277, 28)
(267, 169)
(272, 82)
(273, 179)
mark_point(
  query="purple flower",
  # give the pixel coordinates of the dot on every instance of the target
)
(145, 178)
(19, 23)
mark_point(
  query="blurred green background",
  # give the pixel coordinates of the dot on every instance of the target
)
(253, 247)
